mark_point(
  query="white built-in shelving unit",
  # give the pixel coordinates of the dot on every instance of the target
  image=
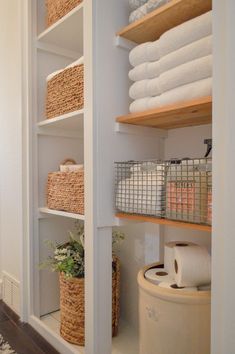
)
(93, 137)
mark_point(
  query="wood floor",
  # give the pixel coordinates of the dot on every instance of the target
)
(21, 336)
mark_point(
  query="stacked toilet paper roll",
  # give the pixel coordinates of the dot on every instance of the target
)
(192, 266)
(187, 267)
(169, 254)
(158, 275)
(172, 285)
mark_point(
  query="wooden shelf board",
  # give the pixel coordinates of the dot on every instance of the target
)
(153, 25)
(165, 222)
(72, 121)
(61, 213)
(184, 114)
(66, 33)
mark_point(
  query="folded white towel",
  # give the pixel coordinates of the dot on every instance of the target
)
(145, 71)
(138, 13)
(139, 105)
(187, 92)
(145, 52)
(194, 70)
(186, 33)
(195, 50)
(146, 199)
(134, 4)
(145, 88)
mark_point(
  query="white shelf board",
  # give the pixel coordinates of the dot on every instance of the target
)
(66, 33)
(127, 341)
(72, 121)
(61, 213)
(52, 321)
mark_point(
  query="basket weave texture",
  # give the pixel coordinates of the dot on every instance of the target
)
(65, 92)
(72, 305)
(56, 9)
(65, 191)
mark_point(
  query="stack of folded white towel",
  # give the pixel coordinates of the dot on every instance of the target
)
(140, 8)
(177, 67)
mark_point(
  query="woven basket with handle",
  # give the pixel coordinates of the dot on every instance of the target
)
(73, 307)
(65, 92)
(65, 191)
(56, 9)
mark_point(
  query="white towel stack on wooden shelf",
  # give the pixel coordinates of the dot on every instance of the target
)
(140, 8)
(177, 67)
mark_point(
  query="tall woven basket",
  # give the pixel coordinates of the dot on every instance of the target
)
(65, 191)
(72, 305)
(65, 92)
(56, 9)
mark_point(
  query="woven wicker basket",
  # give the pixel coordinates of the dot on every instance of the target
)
(65, 191)
(72, 305)
(65, 92)
(56, 9)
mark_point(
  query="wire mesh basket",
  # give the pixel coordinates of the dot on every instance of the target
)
(175, 189)
(140, 187)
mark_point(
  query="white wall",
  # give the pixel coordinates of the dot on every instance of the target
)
(10, 138)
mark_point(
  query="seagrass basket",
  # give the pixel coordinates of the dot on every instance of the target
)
(65, 191)
(65, 91)
(72, 306)
(56, 9)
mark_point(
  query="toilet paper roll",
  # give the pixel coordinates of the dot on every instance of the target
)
(192, 266)
(174, 286)
(169, 254)
(157, 275)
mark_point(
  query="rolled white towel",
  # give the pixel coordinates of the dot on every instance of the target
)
(195, 50)
(194, 70)
(134, 4)
(139, 105)
(187, 92)
(186, 33)
(153, 87)
(145, 88)
(145, 52)
(155, 4)
(138, 13)
(146, 8)
(154, 102)
(139, 89)
(145, 71)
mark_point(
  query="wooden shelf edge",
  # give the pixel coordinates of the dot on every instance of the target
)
(154, 24)
(165, 222)
(194, 112)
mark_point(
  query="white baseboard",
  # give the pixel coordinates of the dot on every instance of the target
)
(11, 291)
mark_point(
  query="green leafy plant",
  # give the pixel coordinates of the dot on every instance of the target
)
(69, 257)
